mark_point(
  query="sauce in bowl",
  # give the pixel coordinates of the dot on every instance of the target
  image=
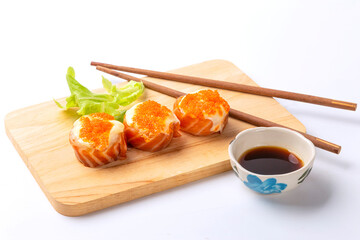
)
(268, 160)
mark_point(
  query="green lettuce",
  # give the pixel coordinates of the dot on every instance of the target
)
(88, 102)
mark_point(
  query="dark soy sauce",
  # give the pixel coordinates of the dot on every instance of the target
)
(270, 160)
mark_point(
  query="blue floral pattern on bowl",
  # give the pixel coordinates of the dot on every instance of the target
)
(268, 186)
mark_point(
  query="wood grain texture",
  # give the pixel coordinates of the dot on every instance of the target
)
(40, 135)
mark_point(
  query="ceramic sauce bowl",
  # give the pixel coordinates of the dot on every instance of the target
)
(278, 137)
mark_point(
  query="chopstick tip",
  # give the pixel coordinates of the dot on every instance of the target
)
(100, 68)
(338, 150)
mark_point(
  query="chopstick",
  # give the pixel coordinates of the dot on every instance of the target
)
(268, 92)
(318, 142)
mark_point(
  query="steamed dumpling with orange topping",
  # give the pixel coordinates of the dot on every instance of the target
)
(202, 113)
(150, 126)
(98, 139)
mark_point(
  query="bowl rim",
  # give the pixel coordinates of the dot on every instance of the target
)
(261, 129)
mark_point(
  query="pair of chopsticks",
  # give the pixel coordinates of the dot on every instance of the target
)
(318, 142)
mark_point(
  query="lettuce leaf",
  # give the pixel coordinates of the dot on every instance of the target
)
(88, 102)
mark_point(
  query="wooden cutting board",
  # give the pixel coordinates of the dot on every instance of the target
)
(40, 135)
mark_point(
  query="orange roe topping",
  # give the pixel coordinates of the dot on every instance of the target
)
(102, 115)
(96, 129)
(204, 102)
(150, 118)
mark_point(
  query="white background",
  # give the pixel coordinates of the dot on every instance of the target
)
(304, 46)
